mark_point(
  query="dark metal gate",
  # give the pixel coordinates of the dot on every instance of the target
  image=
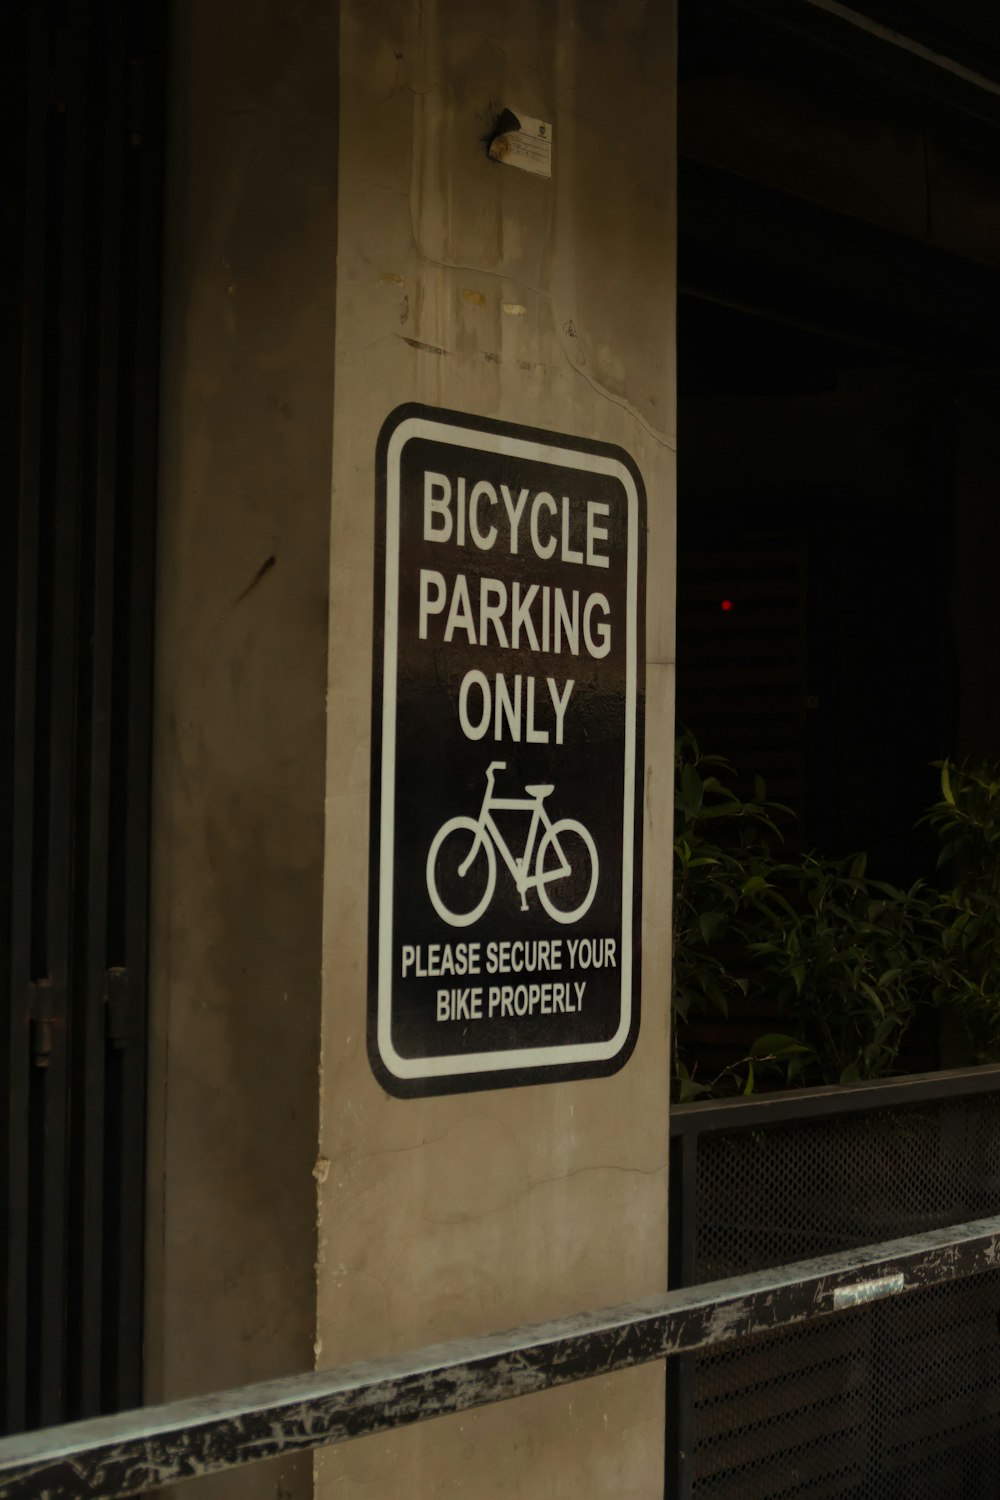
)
(79, 465)
(901, 1399)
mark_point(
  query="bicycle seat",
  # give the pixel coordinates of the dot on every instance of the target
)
(539, 791)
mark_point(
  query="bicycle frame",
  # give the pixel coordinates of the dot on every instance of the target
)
(518, 868)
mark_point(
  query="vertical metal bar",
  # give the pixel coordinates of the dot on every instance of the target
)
(686, 1270)
(88, 1039)
(55, 726)
(683, 1273)
(15, 1060)
(129, 921)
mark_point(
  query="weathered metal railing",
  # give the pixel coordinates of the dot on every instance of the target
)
(135, 1453)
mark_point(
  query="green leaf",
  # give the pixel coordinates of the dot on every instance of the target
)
(946, 791)
(774, 1044)
(715, 995)
(722, 809)
(873, 996)
(692, 789)
(710, 924)
(754, 884)
(858, 866)
(748, 1086)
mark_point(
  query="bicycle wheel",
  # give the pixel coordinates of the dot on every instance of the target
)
(566, 870)
(458, 898)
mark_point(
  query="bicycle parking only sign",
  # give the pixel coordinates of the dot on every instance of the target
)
(506, 755)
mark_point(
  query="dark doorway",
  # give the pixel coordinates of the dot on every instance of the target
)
(79, 461)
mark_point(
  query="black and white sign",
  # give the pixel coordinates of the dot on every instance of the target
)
(506, 755)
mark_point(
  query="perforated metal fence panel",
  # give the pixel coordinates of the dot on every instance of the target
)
(891, 1401)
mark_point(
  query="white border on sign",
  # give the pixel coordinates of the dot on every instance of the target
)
(513, 1057)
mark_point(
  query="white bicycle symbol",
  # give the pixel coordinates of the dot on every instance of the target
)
(564, 887)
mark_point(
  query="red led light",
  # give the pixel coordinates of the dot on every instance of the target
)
(727, 605)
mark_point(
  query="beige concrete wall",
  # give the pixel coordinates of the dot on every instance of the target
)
(469, 285)
(240, 701)
(464, 284)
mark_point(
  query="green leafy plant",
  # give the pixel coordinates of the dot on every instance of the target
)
(722, 891)
(966, 821)
(846, 961)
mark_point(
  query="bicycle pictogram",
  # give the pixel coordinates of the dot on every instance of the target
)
(462, 859)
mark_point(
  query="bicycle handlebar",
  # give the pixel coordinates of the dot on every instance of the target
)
(495, 765)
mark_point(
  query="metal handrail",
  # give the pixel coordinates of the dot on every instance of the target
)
(825, 1100)
(135, 1453)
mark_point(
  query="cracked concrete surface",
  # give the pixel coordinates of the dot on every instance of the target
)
(448, 1216)
(286, 1226)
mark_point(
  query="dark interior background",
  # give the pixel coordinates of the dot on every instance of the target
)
(838, 359)
(83, 149)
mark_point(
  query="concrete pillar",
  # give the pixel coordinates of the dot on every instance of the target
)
(329, 259)
(240, 729)
(477, 287)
